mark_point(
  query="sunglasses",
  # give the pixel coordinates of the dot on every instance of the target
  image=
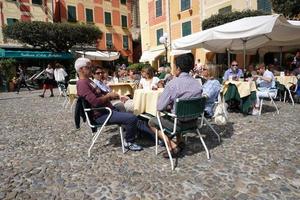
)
(234, 65)
(203, 69)
(99, 73)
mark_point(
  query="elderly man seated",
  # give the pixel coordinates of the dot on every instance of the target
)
(265, 81)
(87, 89)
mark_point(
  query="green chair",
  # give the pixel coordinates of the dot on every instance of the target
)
(185, 110)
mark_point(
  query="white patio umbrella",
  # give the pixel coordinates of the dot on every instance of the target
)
(247, 33)
(100, 55)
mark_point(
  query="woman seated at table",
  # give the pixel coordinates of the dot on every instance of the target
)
(148, 80)
(211, 88)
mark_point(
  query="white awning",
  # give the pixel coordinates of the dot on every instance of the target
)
(151, 55)
(176, 52)
(100, 55)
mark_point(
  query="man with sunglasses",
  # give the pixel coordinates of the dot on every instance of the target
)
(87, 89)
(233, 72)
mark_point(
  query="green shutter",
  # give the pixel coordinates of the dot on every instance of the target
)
(159, 33)
(264, 5)
(39, 2)
(89, 15)
(225, 10)
(107, 18)
(109, 43)
(71, 13)
(186, 28)
(158, 8)
(125, 42)
(124, 21)
(123, 2)
(11, 21)
(185, 4)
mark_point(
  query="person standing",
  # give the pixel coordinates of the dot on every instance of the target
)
(49, 81)
(21, 79)
(60, 75)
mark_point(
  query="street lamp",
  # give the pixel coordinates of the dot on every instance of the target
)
(164, 40)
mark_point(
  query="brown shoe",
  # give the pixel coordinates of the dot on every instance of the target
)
(174, 152)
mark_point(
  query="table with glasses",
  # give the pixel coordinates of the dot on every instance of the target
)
(242, 91)
(145, 101)
(123, 89)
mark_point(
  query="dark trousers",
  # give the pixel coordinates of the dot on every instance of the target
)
(22, 82)
(122, 118)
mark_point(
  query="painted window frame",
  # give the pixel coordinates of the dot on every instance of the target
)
(124, 25)
(106, 24)
(159, 35)
(182, 27)
(186, 7)
(68, 13)
(124, 46)
(12, 20)
(37, 2)
(106, 41)
(86, 15)
(158, 14)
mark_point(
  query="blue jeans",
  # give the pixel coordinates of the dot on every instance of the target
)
(122, 118)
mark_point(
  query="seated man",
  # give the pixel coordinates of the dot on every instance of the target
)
(87, 89)
(233, 72)
(184, 87)
(265, 82)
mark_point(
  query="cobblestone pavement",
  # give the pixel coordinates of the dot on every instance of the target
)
(42, 156)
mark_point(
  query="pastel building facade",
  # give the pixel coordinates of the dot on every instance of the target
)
(113, 17)
(178, 18)
(23, 10)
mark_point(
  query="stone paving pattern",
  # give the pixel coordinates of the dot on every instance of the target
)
(43, 156)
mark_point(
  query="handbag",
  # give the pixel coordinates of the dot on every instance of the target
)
(220, 114)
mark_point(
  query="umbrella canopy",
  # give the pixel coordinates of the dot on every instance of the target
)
(246, 33)
(100, 55)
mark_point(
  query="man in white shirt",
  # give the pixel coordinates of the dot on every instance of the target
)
(265, 82)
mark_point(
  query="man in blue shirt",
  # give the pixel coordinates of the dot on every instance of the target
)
(233, 71)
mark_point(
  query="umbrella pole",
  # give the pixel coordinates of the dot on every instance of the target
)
(244, 52)
(280, 55)
(228, 57)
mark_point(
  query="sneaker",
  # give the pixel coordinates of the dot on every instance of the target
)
(132, 146)
(51, 95)
(41, 95)
(255, 112)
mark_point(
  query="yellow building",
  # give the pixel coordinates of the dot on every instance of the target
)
(178, 18)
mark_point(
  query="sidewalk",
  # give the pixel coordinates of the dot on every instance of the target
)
(42, 156)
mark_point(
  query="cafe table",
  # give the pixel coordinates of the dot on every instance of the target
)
(287, 81)
(123, 89)
(72, 91)
(242, 91)
(145, 101)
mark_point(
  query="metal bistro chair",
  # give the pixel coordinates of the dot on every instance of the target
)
(271, 94)
(184, 109)
(99, 127)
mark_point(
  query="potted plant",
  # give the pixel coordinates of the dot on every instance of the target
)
(8, 70)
